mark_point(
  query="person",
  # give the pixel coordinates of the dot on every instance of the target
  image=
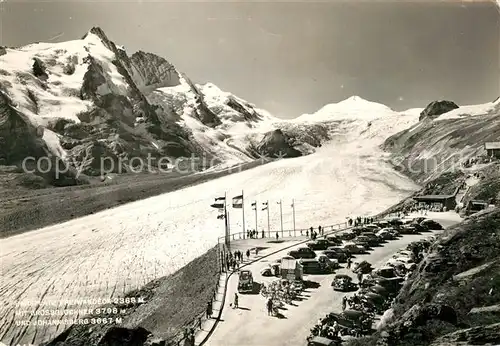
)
(277, 236)
(360, 277)
(336, 329)
(248, 253)
(349, 261)
(269, 306)
(307, 233)
(256, 251)
(235, 303)
(209, 309)
(263, 234)
(319, 230)
(311, 229)
(344, 303)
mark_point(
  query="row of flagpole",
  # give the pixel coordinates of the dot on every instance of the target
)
(238, 202)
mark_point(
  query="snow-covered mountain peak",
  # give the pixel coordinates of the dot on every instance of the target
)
(352, 108)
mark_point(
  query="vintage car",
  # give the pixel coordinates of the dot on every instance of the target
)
(364, 267)
(347, 235)
(313, 266)
(343, 283)
(356, 320)
(354, 249)
(431, 224)
(302, 252)
(337, 254)
(321, 341)
(319, 244)
(385, 272)
(378, 301)
(334, 240)
(328, 263)
(385, 235)
(245, 281)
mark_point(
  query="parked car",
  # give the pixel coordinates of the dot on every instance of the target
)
(245, 281)
(354, 249)
(302, 252)
(313, 266)
(354, 319)
(334, 240)
(385, 272)
(347, 235)
(419, 219)
(385, 235)
(382, 224)
(431, 224)
(322, 341)
(408, 230)
(328, 263)
(336, 253)
(343, 283)
(319, 244)
(372, 237)
(361, 241)
(395, 222)
(363, 267)
(372, 227)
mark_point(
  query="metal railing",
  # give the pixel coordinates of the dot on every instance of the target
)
(300, 232)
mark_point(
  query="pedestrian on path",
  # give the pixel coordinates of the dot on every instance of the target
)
(349, 262)
(360, 278)
(235, 303)
(209, 309)
(248, 254)
(277, 236)
(256, 251)
(269, 304)
(344, 303)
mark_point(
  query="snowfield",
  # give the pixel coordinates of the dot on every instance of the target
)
(117, 250)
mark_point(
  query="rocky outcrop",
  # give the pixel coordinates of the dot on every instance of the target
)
(154, 72)
(436, 108)
(277, 144)
(18, 138)
(484, 335)
(39, 70)
(3, 51)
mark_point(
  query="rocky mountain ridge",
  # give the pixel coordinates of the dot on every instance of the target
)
(88, 99)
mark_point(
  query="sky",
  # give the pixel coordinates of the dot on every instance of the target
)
(293, 58)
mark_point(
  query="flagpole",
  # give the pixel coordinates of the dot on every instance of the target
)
(243, 212)
(268, 224)
(293, 210)
(256, 225)
(226, 221)
(281, 216)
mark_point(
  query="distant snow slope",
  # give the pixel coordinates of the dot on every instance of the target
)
(114, 251)
(354, 107)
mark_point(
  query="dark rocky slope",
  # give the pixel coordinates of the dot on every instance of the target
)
(454, 295)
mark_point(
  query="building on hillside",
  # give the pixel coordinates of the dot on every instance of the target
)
(492, 149)
(475, 206)
(437, 202)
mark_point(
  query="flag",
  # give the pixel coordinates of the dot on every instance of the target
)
(238, 201)
(220, 198)
(254, 206)
(220, 217)
(264, 206)
(217, 205)
(292, 205)
(278, 202)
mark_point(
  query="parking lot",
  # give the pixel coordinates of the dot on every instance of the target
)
(251, 325)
